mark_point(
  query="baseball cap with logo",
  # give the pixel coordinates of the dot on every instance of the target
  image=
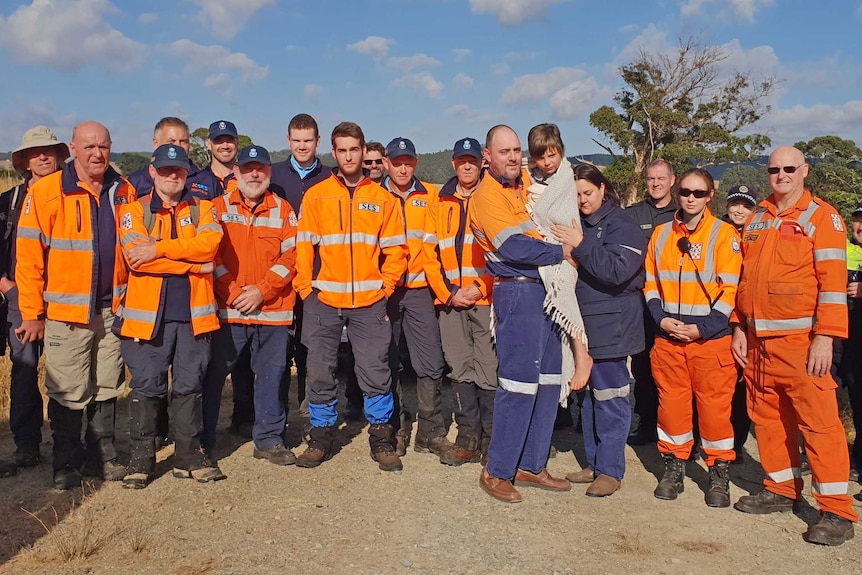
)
(169, 155)
(253, 153)
(222, 128)
(742, 193)
(400, 147)
(467, 147)
(38, 137)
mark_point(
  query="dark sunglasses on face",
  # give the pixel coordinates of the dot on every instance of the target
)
(699, 194)
(371, 162)
(787, 169)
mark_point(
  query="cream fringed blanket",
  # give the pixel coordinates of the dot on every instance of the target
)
(555, 201)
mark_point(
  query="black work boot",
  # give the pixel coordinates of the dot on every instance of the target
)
(381, 437)
(68, 451)
(319, 448)
(830, 530)
(763, 503)
(28, 455)
(143, 437)
(101, 457)
(190, 461)
(718, 494)
(671, 483)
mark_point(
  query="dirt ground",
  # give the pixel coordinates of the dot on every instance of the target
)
(348, 517)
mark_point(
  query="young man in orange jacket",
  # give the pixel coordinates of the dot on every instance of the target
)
(791, 304)
(351, 251)
(168, 311)
(255, 266)
(68, 224)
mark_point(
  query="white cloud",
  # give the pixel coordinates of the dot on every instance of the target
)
(409, 63)
(147, 18)
(312, 92)
(745, 10)
(513, 12)
(463, 80)
(68, 34)
(627, 28)
(219, 61)
(24, 113)
(534, 87)
(225, 18)
(374, 46)
(461, 54)
(652, 40)
(464, 114)
(759, 61)
(578, 98)
(500, 69)
(423, 81)
(788, 125)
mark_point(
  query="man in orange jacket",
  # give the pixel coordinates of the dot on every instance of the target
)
(69, 273)
(255, 266)
(791, 303)
(351, 251)
(169, 240)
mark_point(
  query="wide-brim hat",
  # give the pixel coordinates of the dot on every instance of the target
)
(38, 137)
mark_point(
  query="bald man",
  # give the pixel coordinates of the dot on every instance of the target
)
(791, 304)
(70, 278)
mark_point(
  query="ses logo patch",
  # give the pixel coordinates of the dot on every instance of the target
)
(369, 207)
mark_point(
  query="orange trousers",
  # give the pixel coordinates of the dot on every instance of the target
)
(706, 369)
(784, 400)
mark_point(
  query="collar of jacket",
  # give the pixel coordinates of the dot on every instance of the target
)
(680, 228)
(157, 205)
(315, 167)
(594, 218)
(503, 181)
(673, 205)
(800, 206)
(415, 188)
(69, 182)
(365, 179)
(267, 201)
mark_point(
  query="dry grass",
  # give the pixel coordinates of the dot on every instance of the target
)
(631, 544)
(201, 568)
(700, 546)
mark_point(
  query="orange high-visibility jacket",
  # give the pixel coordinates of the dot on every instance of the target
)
(341, 238)
(672, 288)
(453, 258)
(258, 248)
(56, 247)
(414, 207)
(794, 278)
(139, 313)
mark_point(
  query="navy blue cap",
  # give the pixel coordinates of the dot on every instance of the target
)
(170, 155)
(742, 193)
(222, 128)
(253, 153)
(857, 211)
(467, 147)
(400, 147)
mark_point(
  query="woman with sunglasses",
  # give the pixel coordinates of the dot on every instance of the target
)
(609, 255)
(692, 270)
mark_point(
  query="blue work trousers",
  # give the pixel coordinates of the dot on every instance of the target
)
(606, 417)
(525, 404)
(267, 347)
(25, 399)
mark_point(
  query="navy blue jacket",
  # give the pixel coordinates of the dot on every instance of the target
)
(203, 184)
(287, 184)
(610, 282)
(649, 217)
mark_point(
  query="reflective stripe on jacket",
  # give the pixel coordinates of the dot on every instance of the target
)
(415, 206)
(672, 288)
(453, 258)
(57, 247)
(794, 277)
(342, 236)
(258, 248)
(140, 313)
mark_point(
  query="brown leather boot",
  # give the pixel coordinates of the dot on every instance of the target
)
(499, 488)
(602, 486)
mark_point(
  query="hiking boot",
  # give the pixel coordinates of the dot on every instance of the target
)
(7, 468)
(585, 475)
(718, 494)
(67, 478)
(402, 441)
(311, 457)
(671, 484)
(27, 455)
(763, 503)
(436, 445)
(459, 456)
(108, 471)
(208, 473)
(387, 460)
(136, 481)
(277, 454)
(603, 486)
(831, 530)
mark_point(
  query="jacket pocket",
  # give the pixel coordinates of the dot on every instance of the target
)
(603, 323)
(787, 300)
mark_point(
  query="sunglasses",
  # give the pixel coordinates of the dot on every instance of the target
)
(372, 162)
(787, 169)
(699, 194)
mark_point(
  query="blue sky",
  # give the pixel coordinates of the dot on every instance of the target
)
(430, 70)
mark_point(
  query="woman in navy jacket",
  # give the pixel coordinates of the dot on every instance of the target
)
(609, 253)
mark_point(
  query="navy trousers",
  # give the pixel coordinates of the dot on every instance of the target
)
(606, 417)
